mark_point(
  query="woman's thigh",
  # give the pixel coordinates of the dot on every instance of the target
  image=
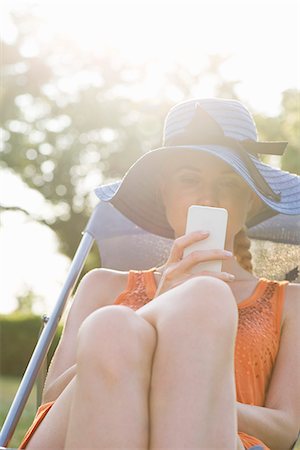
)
(162, 306)
(51, 432)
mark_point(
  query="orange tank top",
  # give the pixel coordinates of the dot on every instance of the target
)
(256, 347)
(258, 334)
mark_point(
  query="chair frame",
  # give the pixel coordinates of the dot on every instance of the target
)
(36, 365)
(45, 340)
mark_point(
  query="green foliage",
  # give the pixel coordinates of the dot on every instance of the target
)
(290, 128)
(9, 387)
(284, 127)
(72, 119)
(62, 140)
(26, 301)
(19, 336)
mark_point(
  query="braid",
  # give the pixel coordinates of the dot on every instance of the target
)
(241, 250)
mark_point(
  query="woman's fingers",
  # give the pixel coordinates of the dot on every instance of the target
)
(185, 241)
(197, 257)
(177, 268)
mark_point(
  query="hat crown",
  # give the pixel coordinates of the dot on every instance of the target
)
(208, 116)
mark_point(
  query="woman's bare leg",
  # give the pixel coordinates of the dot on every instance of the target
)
(193, 400)
(106, 404)
(110, 405)
(50, 434)
(175, 421)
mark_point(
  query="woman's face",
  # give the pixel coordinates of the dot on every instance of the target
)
(204, 180)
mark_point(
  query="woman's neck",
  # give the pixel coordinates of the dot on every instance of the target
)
(232, 266)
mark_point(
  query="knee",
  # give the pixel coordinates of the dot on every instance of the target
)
(203, 300)
(114, 339)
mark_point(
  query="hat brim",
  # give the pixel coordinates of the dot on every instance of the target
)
(136, 195)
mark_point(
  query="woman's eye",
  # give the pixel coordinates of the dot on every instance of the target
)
(229, 183)
(189, 179)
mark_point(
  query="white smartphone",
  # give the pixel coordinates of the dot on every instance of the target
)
(214, 220)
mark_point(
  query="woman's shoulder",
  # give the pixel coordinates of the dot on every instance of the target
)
(108, 275)
(291, 304)
(292, 301)
(109, 281)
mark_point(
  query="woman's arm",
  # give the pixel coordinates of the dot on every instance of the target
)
(277, 423)
(98, 288)
(275, 428)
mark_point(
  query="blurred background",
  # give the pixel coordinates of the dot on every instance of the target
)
(85, 86)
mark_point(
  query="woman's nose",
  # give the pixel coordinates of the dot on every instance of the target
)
(207, 197)
(207, 202)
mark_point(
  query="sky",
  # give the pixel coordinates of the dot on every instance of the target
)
(260, 37)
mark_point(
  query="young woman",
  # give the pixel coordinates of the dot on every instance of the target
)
(166, 359)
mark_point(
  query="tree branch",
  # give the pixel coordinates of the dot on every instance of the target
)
(4, 208)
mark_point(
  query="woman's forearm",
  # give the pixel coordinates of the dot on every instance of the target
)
(52, 390)
(271, 426)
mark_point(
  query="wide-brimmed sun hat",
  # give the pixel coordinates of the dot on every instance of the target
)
(220, 127)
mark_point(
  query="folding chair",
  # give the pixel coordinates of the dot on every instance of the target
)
(115, 235)
(139, 250)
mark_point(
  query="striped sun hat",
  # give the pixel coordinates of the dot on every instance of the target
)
(220, 127)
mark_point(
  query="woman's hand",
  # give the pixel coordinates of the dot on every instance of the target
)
(177, 268)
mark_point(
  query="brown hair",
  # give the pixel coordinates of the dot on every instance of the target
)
(241, 250)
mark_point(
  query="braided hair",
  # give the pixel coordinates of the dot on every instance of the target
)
(241, 250)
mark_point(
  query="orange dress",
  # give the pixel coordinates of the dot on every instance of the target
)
(257, 340)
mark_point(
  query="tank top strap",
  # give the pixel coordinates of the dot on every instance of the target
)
(142, 280)
(140, 289)
(274, 295)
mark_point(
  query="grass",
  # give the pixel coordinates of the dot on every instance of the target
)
(8, 388)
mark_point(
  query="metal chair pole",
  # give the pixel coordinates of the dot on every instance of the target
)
(44, 342)
(40, 381)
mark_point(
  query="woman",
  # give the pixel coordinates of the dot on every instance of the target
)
(166, 359)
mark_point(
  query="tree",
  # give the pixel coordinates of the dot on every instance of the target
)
(70, 120)
(26, 302)
(285, 126)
